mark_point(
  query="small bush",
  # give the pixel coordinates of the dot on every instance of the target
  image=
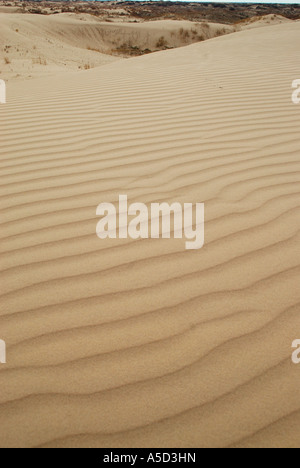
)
(221, 32)
(129, 50)
(161, 43)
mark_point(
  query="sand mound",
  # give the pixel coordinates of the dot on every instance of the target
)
(142, 343)
(37, 45)
(261, 21)
(33, 46)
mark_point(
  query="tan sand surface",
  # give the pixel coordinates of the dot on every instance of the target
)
(35, 45)
(262, 21)
(124, 343)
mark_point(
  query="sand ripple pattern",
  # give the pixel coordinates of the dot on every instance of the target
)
(142, 343)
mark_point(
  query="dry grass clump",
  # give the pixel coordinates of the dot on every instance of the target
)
(221, 32)
(39, 61)
(94, 50)
(184, 33)
(252, 20)
(128, 50)
(162, 43)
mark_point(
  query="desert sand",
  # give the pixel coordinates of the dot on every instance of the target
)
(34, 45)
(124, 343)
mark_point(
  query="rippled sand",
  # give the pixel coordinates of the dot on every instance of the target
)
(125, 343)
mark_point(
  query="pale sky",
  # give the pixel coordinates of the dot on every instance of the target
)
(243, 1)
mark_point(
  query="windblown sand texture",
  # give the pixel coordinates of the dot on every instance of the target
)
(125, 343)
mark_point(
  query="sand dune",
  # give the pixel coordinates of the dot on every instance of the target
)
(262, 21)
(35, 45)
(141, 343)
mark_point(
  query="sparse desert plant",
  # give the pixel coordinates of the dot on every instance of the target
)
(128, 49)
(94, 50)
(221, 32)
(39, 61)
(248, 20)
(161, 43)
(206, 30)
(7, 60)
(184, 33)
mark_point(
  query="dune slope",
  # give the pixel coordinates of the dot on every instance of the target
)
(124, 343)
(36, 45)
